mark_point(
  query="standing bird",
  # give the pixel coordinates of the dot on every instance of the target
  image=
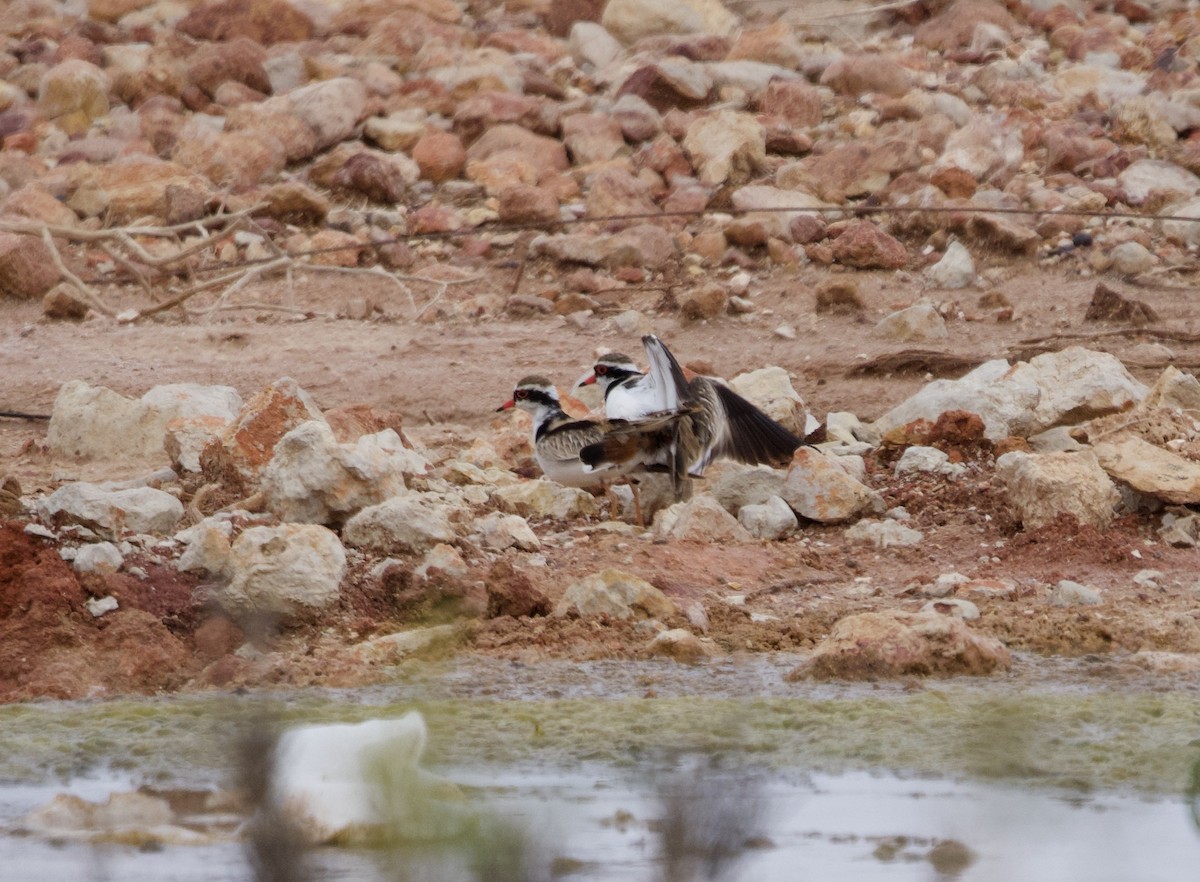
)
(720, 423)
(629, 445)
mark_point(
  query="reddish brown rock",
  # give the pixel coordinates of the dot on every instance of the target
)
(592, 137)
(562, 14)
(295, 203)
(34, 201)
(26, 268)
(240, 60)
(706, 302)
(371, 175)
(614, 193)
(863, 245)
(865, 73)
(263, 21)
(511, 593)
(545, 154)
(523, 203)
(298, 138)
(806, 228)
(954, 27)
(488, 110)
(400, 36)
(236, 458)
(954, 182)
(662, 91)
(62, 302)
(774, 44)
(794, 100)
(232, 160)
(839, 297)
(440, 156)
(160, 119)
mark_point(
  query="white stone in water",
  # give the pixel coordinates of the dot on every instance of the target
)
(101, 557)
(360, 782)
(1068, 593)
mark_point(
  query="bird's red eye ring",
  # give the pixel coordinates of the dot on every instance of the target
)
(601, 370)
(522, 393)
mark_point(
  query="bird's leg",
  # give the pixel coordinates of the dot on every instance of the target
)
(613, 512)
(637, 503)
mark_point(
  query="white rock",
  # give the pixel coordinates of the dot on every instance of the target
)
(590, 44)
(444, 559)
(410, 523)
(954, 606)
(98, 606)
(1148, 175)
(137, 510)
(773, 519)
(208, 546)
(500, 531)
(703, 519)
(1068, 593)
(313, 479)
(1108, 85)
(945, 585)
(92, 422)
(617, 594)
(286, 572)
(360, 782)
(332, 108)
(1132, 258)
(1028, 397)
(101, 557)
(1149, 578)
(726, 147)
(735, 485)
(955, 270)
(817, 488)
(985, 147)
(392, 648)
(540, 498)
(884, 534)
(770, 389)
(846, 428)
(1183, 231)
(929, 460)
(631, 20)
(1041, 486)
(921, 321)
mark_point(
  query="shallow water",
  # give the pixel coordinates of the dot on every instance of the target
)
(1063, 770)
(853, 825)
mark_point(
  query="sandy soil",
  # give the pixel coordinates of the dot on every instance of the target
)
(446, 377)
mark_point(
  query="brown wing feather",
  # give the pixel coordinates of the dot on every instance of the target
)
(753, 437)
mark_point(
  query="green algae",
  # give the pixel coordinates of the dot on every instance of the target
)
(1094, 740)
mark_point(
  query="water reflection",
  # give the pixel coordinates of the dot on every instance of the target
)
(1192, 794)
